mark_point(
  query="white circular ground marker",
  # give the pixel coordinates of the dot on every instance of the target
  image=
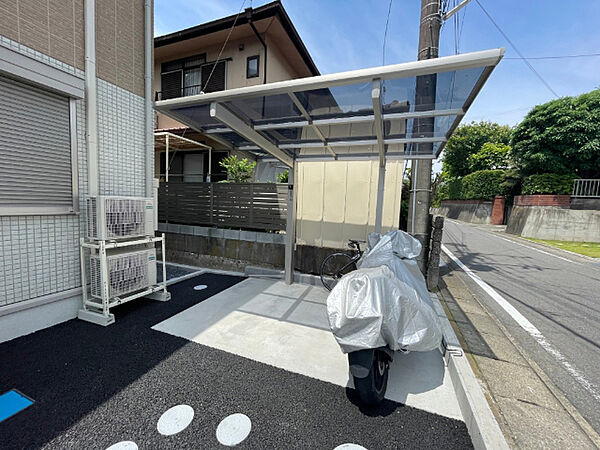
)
(200, 287)
(233, 429)
(123, 445)
(349, 447)
(175, 419)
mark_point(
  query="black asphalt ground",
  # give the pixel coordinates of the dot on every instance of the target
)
(557, 292)
(96, 386)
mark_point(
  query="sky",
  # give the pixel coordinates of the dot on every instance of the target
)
(348, 34)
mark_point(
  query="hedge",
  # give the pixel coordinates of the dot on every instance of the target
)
(483, 184)
(548, 183)
(479, 185)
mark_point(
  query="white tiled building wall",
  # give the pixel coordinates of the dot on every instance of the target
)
(40, 254)
(121, 141)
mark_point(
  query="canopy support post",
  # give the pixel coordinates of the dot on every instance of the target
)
(167, 158)
(290, 228)
(379, 206)
(231, 120)
(378, 121)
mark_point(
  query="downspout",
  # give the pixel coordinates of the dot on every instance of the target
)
(149, 116)
(262, 41)
(91, 98)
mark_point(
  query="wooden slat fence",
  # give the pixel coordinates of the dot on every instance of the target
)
(259, 206)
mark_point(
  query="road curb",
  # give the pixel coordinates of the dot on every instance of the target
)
(477, 414)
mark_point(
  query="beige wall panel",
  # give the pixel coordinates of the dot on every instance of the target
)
(337, 201)
(310, 203)
(334, 201)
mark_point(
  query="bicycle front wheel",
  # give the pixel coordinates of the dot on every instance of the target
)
(334, 267)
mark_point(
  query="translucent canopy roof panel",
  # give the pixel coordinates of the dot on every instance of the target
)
(405, 110)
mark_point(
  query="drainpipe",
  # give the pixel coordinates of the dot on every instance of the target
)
(91, 98)
(249, 17)
(149, 116)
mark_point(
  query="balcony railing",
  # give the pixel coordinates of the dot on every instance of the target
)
(174, 93)
(586, 188)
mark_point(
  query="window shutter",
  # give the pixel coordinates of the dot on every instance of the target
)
(217, 80)
(170, 85)
(35, 147)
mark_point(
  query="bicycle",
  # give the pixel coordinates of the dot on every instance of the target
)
(338, 264)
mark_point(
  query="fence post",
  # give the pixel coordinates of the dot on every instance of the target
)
(251, 214)
(433, 268)
(212, 203)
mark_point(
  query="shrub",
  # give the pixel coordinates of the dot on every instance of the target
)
(238, 171)
(548, 183)
(282, 177)
(484, 184)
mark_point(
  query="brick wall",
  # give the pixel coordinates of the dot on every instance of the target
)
(462, 202)
(562, 201)
(498, 210)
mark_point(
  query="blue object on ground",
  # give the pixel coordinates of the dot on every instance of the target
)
(12, 402)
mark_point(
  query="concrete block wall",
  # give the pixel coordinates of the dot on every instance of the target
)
(472, 211)
(235, 249)
(552, 223)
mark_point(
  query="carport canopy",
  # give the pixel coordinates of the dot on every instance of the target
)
(400, 111)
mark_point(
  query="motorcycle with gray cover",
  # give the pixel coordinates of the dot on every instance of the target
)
(382, 308)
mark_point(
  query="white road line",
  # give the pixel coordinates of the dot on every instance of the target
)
(538, 250)
(527, 326)
(526, 246)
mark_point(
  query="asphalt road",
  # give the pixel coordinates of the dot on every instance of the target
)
(558, 293)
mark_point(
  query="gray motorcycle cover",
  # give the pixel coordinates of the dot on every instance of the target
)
(385, 301)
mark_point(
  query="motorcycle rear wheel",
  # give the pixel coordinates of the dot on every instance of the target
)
(371, 389)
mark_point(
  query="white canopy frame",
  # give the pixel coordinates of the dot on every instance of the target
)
(227, 120)
(166, 139)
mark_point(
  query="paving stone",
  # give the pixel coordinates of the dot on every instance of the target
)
(515, 381)
(535, 427)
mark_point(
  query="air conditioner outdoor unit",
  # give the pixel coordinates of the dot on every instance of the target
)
(128, 271)
(113, 218)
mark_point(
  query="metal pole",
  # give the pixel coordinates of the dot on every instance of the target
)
(290, 229)
(429, 38)
(167, 158)
(209, 177)
(380, 191)
(164, 263)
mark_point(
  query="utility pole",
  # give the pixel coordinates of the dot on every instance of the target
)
(420, 192)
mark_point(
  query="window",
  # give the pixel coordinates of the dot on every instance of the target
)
(38, 152)
(190, 76)
(252, 66)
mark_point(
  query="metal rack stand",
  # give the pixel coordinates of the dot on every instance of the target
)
(98, 312)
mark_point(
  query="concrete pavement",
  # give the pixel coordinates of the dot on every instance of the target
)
(531, 325)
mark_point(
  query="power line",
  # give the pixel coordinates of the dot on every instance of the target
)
(224, 44)
(387, 21)
(588, 55)
(536, 73)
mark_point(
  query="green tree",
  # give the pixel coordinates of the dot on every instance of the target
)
(561, 136)
(238, 170)
(491, 156)
(468, 140)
